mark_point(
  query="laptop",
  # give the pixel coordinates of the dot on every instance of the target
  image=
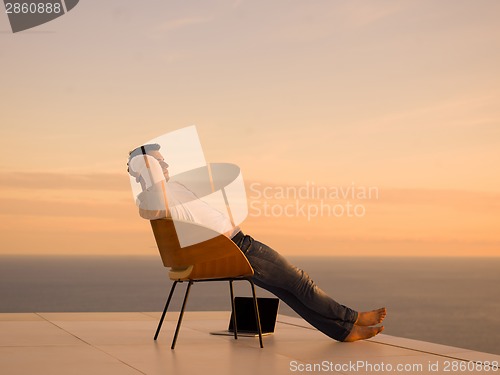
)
(245, 317)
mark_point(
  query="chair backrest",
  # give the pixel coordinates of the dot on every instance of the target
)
(218, 247)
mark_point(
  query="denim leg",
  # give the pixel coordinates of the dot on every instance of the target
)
(294, 287)
(336, 329)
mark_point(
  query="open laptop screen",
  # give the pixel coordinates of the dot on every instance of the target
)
(245, 315)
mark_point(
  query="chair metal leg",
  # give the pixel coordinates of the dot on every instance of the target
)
(181, 314)
(233, 310)
(165, 309)
(256, 309)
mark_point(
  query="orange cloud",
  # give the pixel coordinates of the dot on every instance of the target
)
(46, 213)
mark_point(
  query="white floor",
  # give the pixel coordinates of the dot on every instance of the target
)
(122, 343)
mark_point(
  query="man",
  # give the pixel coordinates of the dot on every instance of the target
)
(161, 198)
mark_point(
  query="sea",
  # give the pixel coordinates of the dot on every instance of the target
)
(450, 301)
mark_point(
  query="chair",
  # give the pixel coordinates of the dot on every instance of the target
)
(216, 259)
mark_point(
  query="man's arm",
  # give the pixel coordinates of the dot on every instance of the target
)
(153, 203)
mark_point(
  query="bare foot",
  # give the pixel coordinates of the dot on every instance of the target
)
(362, 333)
(371, 318)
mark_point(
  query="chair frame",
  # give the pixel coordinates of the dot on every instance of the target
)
(186, 295)
(197, 260)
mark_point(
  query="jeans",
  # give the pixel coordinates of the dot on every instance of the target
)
(294, 287)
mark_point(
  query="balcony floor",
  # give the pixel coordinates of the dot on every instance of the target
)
(122, 343)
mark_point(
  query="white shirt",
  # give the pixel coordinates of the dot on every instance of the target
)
(182, 204)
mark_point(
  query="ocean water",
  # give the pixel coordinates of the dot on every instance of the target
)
(451, 301)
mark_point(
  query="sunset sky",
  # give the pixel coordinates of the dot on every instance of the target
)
(402, 96)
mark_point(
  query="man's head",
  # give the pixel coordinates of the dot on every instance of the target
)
(144, 149)
(151, 150)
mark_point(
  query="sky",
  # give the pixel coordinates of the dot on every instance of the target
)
(400, 97)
